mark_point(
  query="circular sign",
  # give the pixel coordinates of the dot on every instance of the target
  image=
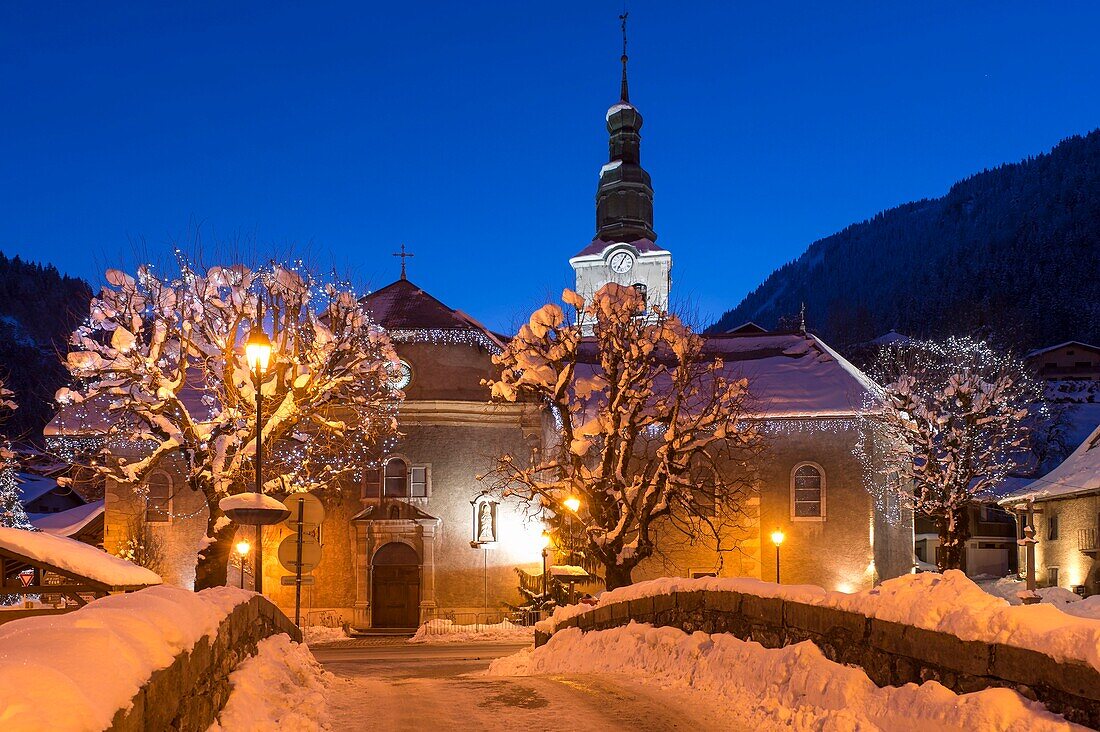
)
(313, 511)
(288, 554)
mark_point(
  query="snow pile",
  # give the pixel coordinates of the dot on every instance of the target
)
(1010, 589)
(76, 557)
(281, 688)
(314, 635)
(446, 631)
(52, 669)
(790, 688)
(950, 603)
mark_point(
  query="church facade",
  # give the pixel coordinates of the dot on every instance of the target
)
(420, 537)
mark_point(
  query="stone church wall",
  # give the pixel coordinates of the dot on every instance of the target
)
(851, 549)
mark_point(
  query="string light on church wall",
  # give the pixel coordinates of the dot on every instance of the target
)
(445, 337)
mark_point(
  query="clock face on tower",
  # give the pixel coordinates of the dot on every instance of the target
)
(621, 262)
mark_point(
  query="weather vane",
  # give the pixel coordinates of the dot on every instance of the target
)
(404, 255)
(624, 94)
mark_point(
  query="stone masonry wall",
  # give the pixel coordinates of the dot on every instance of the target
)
(188, 695)
(892, 654)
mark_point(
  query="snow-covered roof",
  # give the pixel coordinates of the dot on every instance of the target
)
(748, 327)
(887, 338)
(794, 374)
(33, 486)
(1048, 349)
(68, 522)
(76, 557)
(1077, 474)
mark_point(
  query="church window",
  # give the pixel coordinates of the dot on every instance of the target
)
(372, 483)
(807, 492)
(418, 481)
(397, 478)
(158, 498)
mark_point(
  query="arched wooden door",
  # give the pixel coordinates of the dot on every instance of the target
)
(395, 587)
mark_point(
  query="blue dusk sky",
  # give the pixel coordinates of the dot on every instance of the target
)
(473, 132)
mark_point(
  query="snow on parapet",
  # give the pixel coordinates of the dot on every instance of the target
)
(610, 166)
(76, 671)
(949, 603)
(76, 557)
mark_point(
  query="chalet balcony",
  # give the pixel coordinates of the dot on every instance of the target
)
(1088, 540)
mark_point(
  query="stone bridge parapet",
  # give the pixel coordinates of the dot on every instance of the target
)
(891, 653)
(189, 694)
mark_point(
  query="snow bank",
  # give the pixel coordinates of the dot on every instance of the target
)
(281, 688)
(77, 557)
(317, 634)
(790, 688)
(950, 603)
(446, 631)
(73, 672)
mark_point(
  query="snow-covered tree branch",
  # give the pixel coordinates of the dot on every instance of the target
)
(648, 426)
(164, 357)
(955, 418)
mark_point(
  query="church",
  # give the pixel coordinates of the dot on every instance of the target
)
(421, 537)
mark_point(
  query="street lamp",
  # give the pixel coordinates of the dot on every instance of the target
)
(243, 548)
(777, 538)
(544, 540)
(572, 503)
(257, 353)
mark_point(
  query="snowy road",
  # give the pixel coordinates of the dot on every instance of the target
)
(441, 688)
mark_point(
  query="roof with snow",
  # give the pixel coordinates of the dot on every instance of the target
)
(68, 522)
(887, 338)
(33, 486)
(599, 245)
(1076, 475)
(794, 374)
(747, 328)
(1048, 349)
(72, 558)
(401, 305)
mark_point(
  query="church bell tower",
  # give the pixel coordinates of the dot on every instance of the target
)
(624, 249)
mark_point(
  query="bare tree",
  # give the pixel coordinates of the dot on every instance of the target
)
(955, 419)
(163, 357)
(647, 426)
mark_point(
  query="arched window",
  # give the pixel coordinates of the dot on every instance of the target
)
(807, 492)
(158, 498)
(397, 478)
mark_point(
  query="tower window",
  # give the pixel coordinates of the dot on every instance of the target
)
(642, 290)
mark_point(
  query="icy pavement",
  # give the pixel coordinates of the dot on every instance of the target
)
(403, 686)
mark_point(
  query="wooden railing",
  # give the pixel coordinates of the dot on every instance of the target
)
(1088, 540)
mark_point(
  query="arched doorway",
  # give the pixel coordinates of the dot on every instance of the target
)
(395, 587)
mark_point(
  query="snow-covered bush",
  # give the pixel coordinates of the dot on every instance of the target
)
(163, 356)
(649, 427)
(954, 419)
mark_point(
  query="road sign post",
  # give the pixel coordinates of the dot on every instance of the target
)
(305, 509)
(298, 568)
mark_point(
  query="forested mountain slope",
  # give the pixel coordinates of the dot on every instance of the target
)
(39, 307)
(1011, 253)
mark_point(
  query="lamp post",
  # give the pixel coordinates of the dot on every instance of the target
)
(243, 548)
(257, 352)
(777, 539)
(544, 539)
